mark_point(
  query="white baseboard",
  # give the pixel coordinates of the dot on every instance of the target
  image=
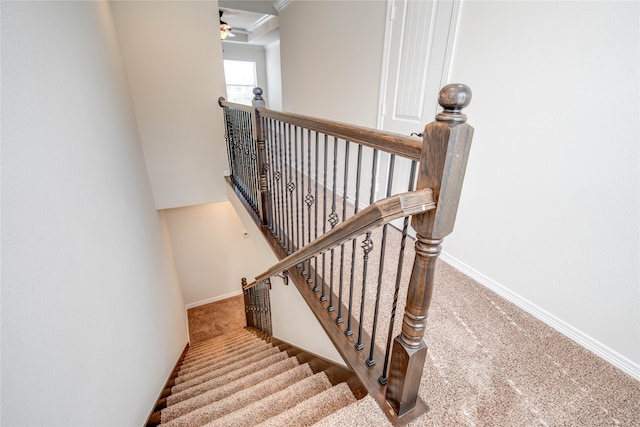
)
(616, 359)
(213, 299)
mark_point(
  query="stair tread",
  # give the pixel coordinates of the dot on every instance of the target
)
(220, 372)
(219, 349)
(227, 364)
(272, 405)
(364, 412)
(203, 409)
(227, 378)
(313, 409)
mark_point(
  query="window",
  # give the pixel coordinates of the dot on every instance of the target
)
(240, 78)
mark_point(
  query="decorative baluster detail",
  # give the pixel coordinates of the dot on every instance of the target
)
(268, 168)
(383, 244)
(443, 162)
(309, 199)
(278, 178)
(291, 187)
(367, 246)
(333, 219)
(348, 331)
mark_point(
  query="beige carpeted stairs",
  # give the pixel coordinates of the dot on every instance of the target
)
(238, 379)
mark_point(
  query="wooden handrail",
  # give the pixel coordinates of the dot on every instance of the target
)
(379, 213)
(389, 142)
(224, 103)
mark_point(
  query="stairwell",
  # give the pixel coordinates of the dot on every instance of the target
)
(240, 379)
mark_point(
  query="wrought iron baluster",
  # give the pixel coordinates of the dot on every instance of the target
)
(280, 177)
(349, 331)
(268, 146)
(383, 244)
(309, 200)
(347, 147)
(367, 247)
(405, 227)
(285, 181)
(323, 296)
(333, 218)
(303, 264)
(290, 188)
(315, 286)
(296, 172)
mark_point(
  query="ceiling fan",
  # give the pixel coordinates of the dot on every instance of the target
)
(225, 29)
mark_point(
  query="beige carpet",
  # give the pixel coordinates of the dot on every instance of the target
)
(216, 318)
(237, 379)
(489, 363)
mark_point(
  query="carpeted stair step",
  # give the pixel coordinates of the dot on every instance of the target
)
(221, 353)
(182, 392)
(206, 347)
(227, 365)
(270, 406)
(219, 349)
(314, 409)
(200, 409)
(238, 379)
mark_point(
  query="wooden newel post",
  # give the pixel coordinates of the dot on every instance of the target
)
(446, 144)
(258, 102)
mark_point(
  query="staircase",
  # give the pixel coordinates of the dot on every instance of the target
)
(238, 379)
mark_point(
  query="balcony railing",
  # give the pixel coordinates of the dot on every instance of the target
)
(335, 200)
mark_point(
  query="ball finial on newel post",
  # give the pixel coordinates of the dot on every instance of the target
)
(453, 98)
(257, 94)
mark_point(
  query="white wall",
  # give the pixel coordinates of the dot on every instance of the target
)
(273, 94)
(549, 211)
(92, 314)
(331, 54)
(173, 56)
(211, 251)
(550, 205)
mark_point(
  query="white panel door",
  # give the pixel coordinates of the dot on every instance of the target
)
(418, 45)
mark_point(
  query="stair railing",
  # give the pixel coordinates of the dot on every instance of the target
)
(300, 175)
(257, 307)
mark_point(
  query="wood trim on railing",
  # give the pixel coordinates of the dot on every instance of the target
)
(224, 103)
(389, 142)
(381, 212)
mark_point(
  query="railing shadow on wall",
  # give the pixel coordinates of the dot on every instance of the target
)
(316, 187)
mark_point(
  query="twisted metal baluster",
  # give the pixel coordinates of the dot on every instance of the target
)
(344, 216)
(349, 331)
(367, 247)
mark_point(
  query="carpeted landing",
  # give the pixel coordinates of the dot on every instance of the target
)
(237, 379)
